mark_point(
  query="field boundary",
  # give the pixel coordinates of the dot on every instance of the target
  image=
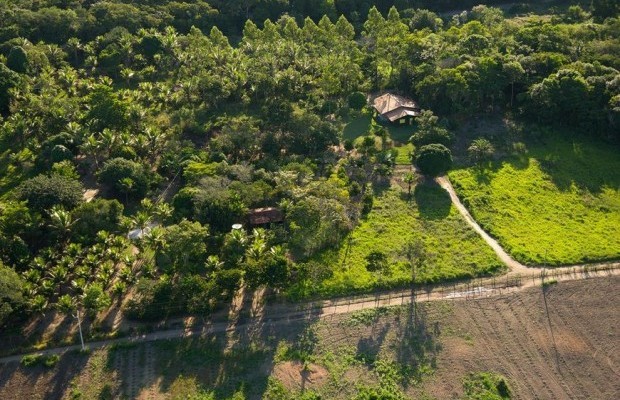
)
(284, 313)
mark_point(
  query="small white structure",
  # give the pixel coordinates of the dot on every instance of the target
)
(138, 233)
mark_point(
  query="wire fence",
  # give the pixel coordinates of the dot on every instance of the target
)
(472, 289)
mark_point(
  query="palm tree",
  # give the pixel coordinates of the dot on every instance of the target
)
(62, 222)
(480, 150)
(409, 179)
(141, 220)
(213, 263)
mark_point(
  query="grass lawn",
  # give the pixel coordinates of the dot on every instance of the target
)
(403, 154)
(558, 204)
(359, 126)
(453, 249)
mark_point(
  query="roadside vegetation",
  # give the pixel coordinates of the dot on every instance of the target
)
(557, 201)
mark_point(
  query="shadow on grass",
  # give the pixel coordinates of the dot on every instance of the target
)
(581, 161)
(224, 362)
(419, 344)
(38, 381)
(432, 200)
(357, 127)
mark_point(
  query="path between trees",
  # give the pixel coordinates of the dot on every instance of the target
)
(514, 265)
(518, 278)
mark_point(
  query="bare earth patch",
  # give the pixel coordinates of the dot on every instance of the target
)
(294, 376)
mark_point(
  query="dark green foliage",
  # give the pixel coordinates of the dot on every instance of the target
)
(17, 60)
(214, 204)
(562, 98)
(12, 300)
(424, 19)
(124, 177)
(97, 215)
(106, 110)
(154, 300)
(376, 261)
(357, 100)
(43, 192)
(367, 202)
(185, 247)
(8, 80)
(480, 150)
(430, 131)
(602, 9)
(486, 386)
(272, 269)
(18, 226)
(315, 223)
(433, 159)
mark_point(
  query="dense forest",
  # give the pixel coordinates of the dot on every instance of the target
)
(181, 117)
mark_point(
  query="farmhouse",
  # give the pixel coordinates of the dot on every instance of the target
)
(394, 108)
(265, 216)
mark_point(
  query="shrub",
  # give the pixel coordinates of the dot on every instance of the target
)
(43, 192)
(433, 159)
(95, 216)
(124, 177)
(367, 202)
(357, 100)
(376, 261)
(32, 360)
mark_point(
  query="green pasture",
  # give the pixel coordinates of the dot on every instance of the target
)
(453, 250)
(559, 203)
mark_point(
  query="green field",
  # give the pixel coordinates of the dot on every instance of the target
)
(453, 249)
(557, 204)
(360, 126)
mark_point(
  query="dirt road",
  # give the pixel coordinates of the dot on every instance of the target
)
(519, 278)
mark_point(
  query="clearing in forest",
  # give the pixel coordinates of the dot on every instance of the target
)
(557, 203)
(452, 249)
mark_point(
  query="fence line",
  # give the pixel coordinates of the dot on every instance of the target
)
(473, 289)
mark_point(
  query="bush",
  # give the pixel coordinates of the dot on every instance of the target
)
(97, 215)
(124, 177)
(43, 192)
(367, 202)
(376, 261)
(32, 360)
(433, 159)
(357, 100)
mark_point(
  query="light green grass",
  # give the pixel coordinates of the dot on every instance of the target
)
(453, 249)
(360, 126)
(559, 204)
(404, 154)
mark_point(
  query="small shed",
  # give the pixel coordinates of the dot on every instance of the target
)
(396, 109)
(265, 216)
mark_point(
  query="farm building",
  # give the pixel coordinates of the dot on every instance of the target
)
(265, 216)
(396, 109)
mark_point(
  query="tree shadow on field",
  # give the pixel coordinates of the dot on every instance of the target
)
(224, 356)
(432, 200)
(582, 162)
(38, 381)
(419, 344)
(368, 348)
